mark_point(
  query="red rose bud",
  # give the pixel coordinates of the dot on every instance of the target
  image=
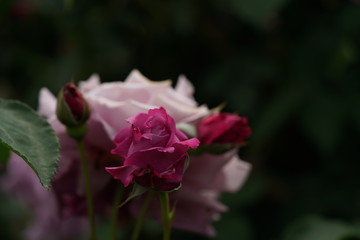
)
(72, 109)
(223, 128)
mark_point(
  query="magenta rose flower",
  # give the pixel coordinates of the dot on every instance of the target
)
(154, 151)
(223, 128)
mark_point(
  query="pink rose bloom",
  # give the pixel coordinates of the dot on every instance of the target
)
(111, 103)
(154, 151)
(223, 128)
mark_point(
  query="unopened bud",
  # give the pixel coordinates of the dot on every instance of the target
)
(72, 109)
(223, 128)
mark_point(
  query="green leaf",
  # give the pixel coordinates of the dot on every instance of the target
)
(323, 121)
(257, 11)
(279, 109)
(136, 191)
(187, 163)
(316, 228)
(234, 225)
(31, 137)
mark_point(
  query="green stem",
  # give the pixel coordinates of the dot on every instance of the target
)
(115, 211)
(89, 198)
(140, 219)
(167, 215)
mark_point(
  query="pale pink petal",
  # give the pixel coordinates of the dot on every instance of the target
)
(47, 103)
(233, 175)
(204, 169)
(195, 210)
(184, 87)
(96, 135)
(92, 83)
(195, 218)
(120, 91)
(136, 77)
(180, 108)
(112, 115)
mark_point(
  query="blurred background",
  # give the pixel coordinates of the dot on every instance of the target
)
(292, 67)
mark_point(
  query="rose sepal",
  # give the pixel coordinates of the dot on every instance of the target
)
(77, 132)
(137, 190)
(188, 129)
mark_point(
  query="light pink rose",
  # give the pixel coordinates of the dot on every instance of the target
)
(154, 151)
(120, 100)
(205, 179)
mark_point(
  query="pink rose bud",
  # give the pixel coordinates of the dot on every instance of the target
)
(72, 109)
(223, 128)
(154, 151)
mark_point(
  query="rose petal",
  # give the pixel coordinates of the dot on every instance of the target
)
(92, 83)
(204, 169)
(233, 175)
(180, 135)
(124, 173)
(190, 143)
(136, 77)
(184, 87)
(174, 105)
(47, 103)
(97, 136)
(111, 114)
(158, 160)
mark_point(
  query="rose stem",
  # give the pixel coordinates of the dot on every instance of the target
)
(114, 215)
(86, 179)
(167, 215)
(140, 220)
